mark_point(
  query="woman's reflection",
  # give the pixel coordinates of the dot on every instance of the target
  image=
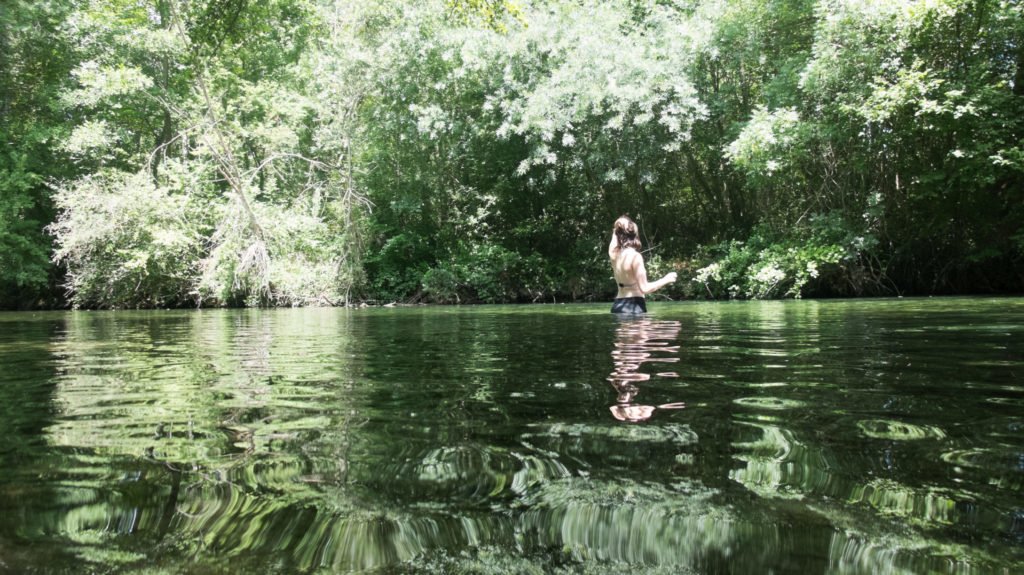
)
(638, 341)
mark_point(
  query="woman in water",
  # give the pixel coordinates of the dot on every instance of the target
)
(628, 268)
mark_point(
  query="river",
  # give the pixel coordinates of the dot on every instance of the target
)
(859, 436)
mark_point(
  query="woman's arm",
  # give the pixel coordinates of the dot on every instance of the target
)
(613, 247)
(641, 277)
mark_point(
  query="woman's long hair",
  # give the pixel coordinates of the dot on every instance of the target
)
(627, 233)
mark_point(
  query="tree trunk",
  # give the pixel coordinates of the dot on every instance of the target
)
(1018, 78)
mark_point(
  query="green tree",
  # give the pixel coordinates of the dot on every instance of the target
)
(500, 156)
(34, 60)
(211, 101)
(294, 152)
(901, 129)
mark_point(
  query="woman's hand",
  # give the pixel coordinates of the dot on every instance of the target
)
(670, 277)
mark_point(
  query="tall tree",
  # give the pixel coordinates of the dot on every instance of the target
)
(34, 61)
(239, 206)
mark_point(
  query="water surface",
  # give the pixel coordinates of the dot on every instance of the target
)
(882, 436)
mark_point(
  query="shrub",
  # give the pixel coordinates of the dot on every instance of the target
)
(395, 270)
(824, 256)
(485, 272)
(127, 242)
(299, 260)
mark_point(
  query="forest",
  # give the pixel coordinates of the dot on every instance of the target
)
(200, 153)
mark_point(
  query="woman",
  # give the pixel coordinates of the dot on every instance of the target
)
(628, 268)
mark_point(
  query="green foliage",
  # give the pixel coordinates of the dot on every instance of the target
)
(126, 241)
(34, 62)
(902, 116)
(464, 150)
(493, 13)
(766, 143)
(397, 267)
(491, 274)
(23, 249)
(821, 257)
(498, 157)
(304, 267)
(202, 109)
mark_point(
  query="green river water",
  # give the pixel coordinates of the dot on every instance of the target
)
(874, 436)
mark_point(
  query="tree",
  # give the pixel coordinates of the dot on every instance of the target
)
(34, 61)
(497, 154)
(234, 152)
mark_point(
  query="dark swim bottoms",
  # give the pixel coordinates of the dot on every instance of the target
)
(629, 305)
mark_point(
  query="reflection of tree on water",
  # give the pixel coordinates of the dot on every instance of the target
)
(639, 341)
(286, 442)
(202, 415)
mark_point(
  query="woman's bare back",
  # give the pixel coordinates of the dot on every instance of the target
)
(625, 268)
